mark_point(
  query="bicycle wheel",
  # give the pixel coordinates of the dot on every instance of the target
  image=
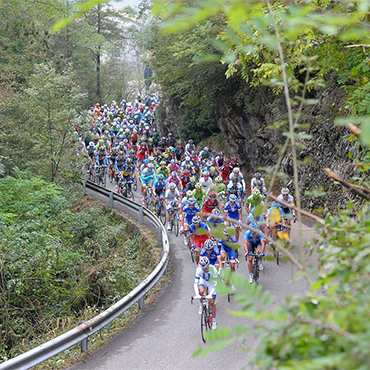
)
(104, 179)
(256, 270)
(162, 215)
(130, 194)
(171, 224)
(135, 184)
(192, 255)
(278, 253)
(204, 323)
(176, 225)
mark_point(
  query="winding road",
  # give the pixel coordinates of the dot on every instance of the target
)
(167, 333)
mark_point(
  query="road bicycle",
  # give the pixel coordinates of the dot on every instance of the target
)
(206, 316)
(147, 196)
(277, 252)
(101, 175)
(256, 271)
(125, 189)
(91, 172)
(160, 209)
(111, 172)
(226, 265)
(185, 234)
(174, 219)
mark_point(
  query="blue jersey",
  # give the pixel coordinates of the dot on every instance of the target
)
(160, 187)
(213, 256)
(255, 239)
(228, 249)
(232, 210)
(259, 220)
(190, 213)
(202, 225)
(214, 222)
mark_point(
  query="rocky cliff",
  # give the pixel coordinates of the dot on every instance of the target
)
(246, 117)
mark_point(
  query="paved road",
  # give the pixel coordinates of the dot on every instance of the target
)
(168, 332)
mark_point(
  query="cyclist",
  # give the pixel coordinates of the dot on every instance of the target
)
(174, 179)
(199, 232)
(91, 149)
(147, 177)
(252, 243)
(127, 173)
(287, 198)
(229, 246)
(205, 154)
(163, 169)
(159, 189)
(187, 215)
(254, 200)
(258, 177)
(190, 146)
(191, 184)
(234, 187)
(215, 221)
(218, 185)
(234, 211)
(171, 198)
(203, 284)
(101, 157)
(199, 194)
(239, 176)
(206, 181)
(210, 203)
(210, 250)
(275, 219)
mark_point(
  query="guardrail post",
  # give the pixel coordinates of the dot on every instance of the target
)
(141, 303)
(84, 186)
(111, 199)
(141, 215)
(159, 236)
(84, 342)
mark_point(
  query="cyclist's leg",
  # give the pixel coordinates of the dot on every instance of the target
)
(251, 249)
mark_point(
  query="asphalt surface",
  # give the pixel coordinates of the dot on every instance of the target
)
(167, 333)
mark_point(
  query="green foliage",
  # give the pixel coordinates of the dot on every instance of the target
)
(60, 259)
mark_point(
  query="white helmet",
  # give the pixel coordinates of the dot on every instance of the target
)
(172, 186)
(285, 191)
(236, 170)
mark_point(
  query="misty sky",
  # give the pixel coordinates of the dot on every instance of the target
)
(122, 4)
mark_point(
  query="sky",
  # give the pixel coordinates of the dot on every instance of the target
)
(122, 4)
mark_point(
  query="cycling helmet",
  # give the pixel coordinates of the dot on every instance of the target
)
(216, 212)
(208, 245)
(236, 170)
(173, 174)
(212, 169)
(160, 177)
(234, 179)
(204, 262)
(163, 163)
(187, 159)
(196, 219)
(225, 232)
(163, 138)
(285, 191)
(150, 165)
(208, 163)
(275, 204)
(206, 149)
(191, 201)
(212, 195)
(151, 159)
(91, 143)
(220, 154)
(218, 179)
(232, 198)
(198, 186)
(146, 160)
(253, 225)
(172, 186)
(129, 160)
(173, 160)
(189, 193)
(190, 141)
(205, 173)
(257, 175)
(192, 179)
(256, 192)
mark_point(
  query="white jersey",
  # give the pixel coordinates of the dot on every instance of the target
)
(172, 196)
(289, 201)
(254, 182)
(204, 278)
(206, 184)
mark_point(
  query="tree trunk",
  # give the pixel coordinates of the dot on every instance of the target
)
(98, 55)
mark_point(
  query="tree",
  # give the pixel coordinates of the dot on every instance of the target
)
(53, 104)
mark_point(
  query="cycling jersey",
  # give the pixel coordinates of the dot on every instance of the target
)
(204, 278)
(199, 196)
(200, 234)
(255, 200)
(212, 255)
(148, 177)
(278, 216)
(209, 206)
(163, 171)
(227, 247)
(253, 240)
(172, 196)
(214, 221)
(232, 210)
(290, 200)
(218, 187)
(190, 213)
(159, 187)
(206, 184)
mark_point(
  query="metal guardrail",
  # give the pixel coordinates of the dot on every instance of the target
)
(81, 333)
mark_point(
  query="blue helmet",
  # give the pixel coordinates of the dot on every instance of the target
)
(160, 177)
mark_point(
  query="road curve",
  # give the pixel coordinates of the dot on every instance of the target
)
(167, 333)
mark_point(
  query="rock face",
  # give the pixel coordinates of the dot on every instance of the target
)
(244, 128)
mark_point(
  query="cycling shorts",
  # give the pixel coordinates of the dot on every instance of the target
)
(211, 289)
(230, 251)
(252, 246)
(188, 220)
(141, 156)
(199, 240)
(234, 216)
(146, 181)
